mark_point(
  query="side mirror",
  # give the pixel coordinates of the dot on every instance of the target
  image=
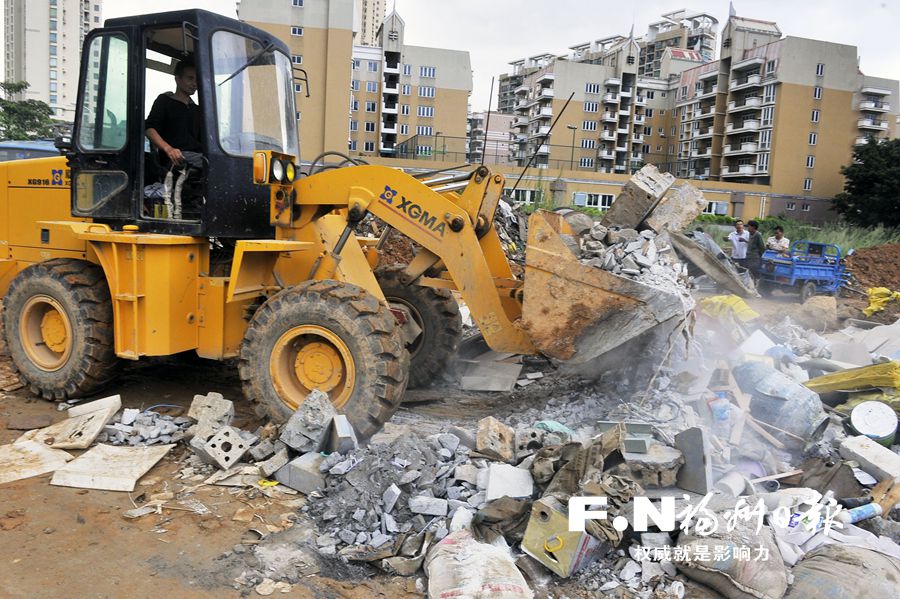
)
(63, 143)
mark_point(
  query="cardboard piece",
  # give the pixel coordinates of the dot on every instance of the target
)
(110, 468)
(28, 458)
(85, 422)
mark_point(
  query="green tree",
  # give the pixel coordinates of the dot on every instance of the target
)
(871, 193)
(23, 119)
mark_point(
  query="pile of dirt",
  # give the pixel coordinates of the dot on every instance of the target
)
(877, 266)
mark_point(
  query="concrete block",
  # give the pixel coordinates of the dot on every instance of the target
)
(656, 468)
(429, 506)
(198, 446)
(639, 197)
(466, 473)
(226, 447)
(262, 451)
(696, 473)
(302, 474)
(875, 459)
(308, 427)
(342, 438)
(389, 497)
(528, 440)
(677, 209)
(274, 463)
(638, 444)
(495, 439)
(212, 412)
(508, 481)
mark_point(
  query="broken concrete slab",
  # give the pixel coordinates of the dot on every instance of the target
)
(25, 459)
(274, 463)
(495, 439)
(79, 431)
(467, 473)
(262, 450)
(877, 460)
(656, 468)
(696, 473)
(211, 411)
(308, 427)
(677, 209)
(429, 506)
(390, 496)
(639, 197)
(636, 444)
(722, 272)
(302, 474)
(342, 437)
(27, 422)
(226, 447)
(505, 480)
(490, 376)
(110, 468)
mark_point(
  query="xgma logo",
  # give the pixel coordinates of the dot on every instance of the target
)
(412, 211)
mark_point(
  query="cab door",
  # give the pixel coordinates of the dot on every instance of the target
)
(103, 162)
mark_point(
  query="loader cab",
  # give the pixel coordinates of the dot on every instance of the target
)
(246, 102)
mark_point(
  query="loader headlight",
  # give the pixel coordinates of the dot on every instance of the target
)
(290, 172)
(277, 170)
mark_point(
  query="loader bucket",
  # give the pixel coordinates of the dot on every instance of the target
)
(575, 312)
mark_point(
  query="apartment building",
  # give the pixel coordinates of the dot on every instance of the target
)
(779, 111)
(43, 40)
(371, 15)
(488, 138)
(679, 30)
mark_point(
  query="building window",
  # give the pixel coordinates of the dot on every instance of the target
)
(426, 91)
(791, 206)
(53, 62)
(815, 116)
(53, 98)
(371, 87)
(589, 125)
(807, 186)
(591, 106)
(52, 38)
(648, 113)
(765, 139)
(370, 106)
(369, 146)
(661, 132)
(297, 58)
(423, 150)
(404, 129)
(684, 92)
(599, 200)
(370, 126)
(297, 31)
(404, 89)
(588, 144)
(298, 88)
(820, 70)
(650, 95)
(352, 145)
(659, 148)
(806, 207)
(762, 163)
(769, 93)
(767, 113)
(427, 72)
(297, 3)
(404, 109)
(354, 125)
(817, 93)
(407, 69)
(424, 130)
(356, 64)
(810, 161)
(645, 149)
(425, 111)
(52, 75)
(373, 66)
(586, 163)
(52, 50)
(354, 105)
(813, 138)
(592, 88)
(354, 85)
(53, 86)
(770, 67)
(648, 130)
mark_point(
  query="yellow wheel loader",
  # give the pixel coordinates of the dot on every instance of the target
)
(103, 262)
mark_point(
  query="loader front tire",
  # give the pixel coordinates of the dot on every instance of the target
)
(58, 322)
(330, 336)
(437, 314)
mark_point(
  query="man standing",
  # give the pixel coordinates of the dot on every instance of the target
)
(739, 238)
(755, 248)
(778, 242)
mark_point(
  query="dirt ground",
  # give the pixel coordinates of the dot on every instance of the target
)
(877, 266)
(66, 542)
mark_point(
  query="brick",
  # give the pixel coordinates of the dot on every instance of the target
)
(308, 427)
(508, 481)
(875, 459)
(429, 506)
(302, 474)
(342, 437)
(495, 439)
(273, 464)
(638, 198)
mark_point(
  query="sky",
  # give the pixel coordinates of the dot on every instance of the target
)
(496, 32)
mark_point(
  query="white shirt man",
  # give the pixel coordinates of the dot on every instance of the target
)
(778, 243)
(739, 238)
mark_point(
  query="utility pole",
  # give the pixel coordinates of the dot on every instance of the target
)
(573, 128)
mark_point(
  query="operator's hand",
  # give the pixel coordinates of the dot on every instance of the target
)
(741, 239)
(174, 155)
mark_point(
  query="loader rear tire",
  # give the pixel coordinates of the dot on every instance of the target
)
(331, 336)
(58, 321)
(437, 314)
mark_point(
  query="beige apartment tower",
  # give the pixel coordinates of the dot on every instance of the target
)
(371, 14)
(43, 40)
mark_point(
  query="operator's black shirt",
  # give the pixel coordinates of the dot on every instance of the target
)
(176, 122)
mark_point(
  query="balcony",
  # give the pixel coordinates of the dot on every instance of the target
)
(522, 89)
(623, 130)
(754, 103)
(611, 98)
(522, 103)
(875, 91)
(391, 88)
(703, 133)
(388, 108)
(709, 75)
(613, 81)
(543, 113)
(748, 147)
(546, 94)
(704, 153)
(748, 63)
(747, 125)
(637, 138)
(390, 128)
(622, 148)
(872, 124)
(625, 92)
(550, 77)
(620, 168)
(608, 135)
(520, 121)
(392, 68)
(519, 137)
(639, 119)
(543, 149)
(751, 81)
(606, 154)
(712, 91)
(540, 131)
(640, 100)
(386, 149)
(874, 106)
(610, 117)
(739, 170)
(624, 112)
